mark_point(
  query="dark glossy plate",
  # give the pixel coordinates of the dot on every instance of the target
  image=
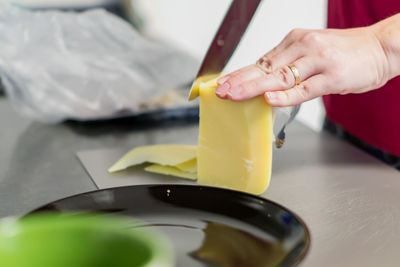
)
(208, 226)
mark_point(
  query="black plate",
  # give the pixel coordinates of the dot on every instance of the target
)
(207, 226)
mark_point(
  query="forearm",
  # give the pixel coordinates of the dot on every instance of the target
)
(388, 33)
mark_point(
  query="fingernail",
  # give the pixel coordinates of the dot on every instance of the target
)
(222, 89)
(223, 79)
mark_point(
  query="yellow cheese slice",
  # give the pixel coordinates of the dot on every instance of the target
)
(162, 154)
(170, 170)
(188, 166)
(235, 142)
(194, 91)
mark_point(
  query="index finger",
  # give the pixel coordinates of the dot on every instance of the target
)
(265, 60)
(254, 82)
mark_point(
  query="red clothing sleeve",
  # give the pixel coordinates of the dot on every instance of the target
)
(374, 117)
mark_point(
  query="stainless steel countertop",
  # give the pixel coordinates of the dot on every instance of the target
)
(349, 200)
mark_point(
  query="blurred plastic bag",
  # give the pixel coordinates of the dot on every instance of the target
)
(56, 66)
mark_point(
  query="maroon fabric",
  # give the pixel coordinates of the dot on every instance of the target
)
(374, 117)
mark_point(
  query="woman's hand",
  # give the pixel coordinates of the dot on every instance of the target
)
(329, 62)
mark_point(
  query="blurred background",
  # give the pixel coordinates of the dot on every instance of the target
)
(191, 24)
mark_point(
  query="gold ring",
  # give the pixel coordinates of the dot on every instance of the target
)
(296, 73)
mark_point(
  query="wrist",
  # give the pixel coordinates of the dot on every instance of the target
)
(387, 33)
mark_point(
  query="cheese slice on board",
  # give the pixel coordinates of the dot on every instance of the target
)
(235, 142)
(170, 155)
(170, 170)
(188, 166)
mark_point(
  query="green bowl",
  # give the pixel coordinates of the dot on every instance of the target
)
(80, 240)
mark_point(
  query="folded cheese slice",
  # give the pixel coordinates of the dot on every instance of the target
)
(170, 155)
(235, 142)
(188, 166)
(171, 170)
